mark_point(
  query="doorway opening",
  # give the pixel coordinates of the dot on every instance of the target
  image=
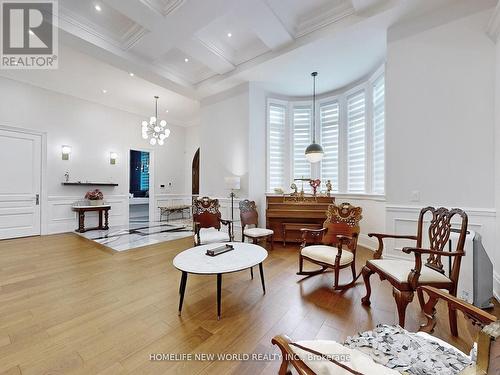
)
(195, 188)
(139, 187)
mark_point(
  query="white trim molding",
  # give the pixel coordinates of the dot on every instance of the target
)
(493, 29)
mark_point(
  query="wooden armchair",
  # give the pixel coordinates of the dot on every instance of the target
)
(341, 228)
(207, 222)
(405, 275)
(250, 217)
(488, 348)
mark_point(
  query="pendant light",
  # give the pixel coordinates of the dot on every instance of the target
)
(314, 152)
(155, 130)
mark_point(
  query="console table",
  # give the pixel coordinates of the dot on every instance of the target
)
(102, 211)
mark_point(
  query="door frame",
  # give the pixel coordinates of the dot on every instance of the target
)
(152, 196)
(44, 199)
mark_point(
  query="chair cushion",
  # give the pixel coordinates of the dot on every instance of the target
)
(211, 235)
(327, 254)
(257, 232)
(354, 359)
(400, 269)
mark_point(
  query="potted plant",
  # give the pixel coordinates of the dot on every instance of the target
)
(95, 197)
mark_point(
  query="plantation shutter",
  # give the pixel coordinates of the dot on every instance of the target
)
(378, 136)
(301, 139)
(276, 145)
(329, 122)
(356, 122)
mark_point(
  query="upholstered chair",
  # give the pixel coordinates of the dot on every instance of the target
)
(207, 222)
(406, 275)
(310, 357)
(341, 228)
(250, 224)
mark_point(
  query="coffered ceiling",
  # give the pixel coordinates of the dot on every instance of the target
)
(185, 45)
(185, 50)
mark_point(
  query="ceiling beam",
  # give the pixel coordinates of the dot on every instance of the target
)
(260, 18)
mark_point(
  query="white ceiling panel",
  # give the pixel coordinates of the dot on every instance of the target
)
(107, 23)
(192, 70)
(243, 44)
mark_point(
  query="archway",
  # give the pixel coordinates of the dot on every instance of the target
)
(195, 174)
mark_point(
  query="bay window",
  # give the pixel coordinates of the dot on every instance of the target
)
(351, 129)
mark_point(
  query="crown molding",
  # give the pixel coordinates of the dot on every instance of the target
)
(130, 37)
(323, 18)
(493, 29)
(163, 7)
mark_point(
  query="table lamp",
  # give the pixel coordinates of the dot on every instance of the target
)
(232, 183)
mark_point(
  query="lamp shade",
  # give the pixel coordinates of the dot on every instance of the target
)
(314, 153)
(232, 183)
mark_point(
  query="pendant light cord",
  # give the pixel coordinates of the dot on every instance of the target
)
(156, 108)
(314, 74)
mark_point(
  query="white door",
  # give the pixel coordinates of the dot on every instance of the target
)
(20, 175)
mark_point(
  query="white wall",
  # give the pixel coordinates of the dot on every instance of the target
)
(440, 124)
(496, 38)
(92, 130)
(224, 141)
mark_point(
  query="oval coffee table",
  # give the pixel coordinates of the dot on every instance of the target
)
(194, 260)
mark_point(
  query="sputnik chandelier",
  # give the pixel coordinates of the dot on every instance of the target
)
(156, 130)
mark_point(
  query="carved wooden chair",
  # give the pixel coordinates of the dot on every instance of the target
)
(250, 217)
(207, 222)
(488, 345)
(340, 228)
(406, 275)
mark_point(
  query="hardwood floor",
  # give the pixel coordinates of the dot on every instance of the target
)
(69, 307)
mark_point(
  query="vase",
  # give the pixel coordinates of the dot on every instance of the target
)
(97, 202)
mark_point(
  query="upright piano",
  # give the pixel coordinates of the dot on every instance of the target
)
(286, 214)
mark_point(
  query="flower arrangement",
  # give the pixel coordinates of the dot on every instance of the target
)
(315, 184)
(94, 195)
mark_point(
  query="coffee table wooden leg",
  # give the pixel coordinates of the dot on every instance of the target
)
(262, 277)
(182, 290)
(219, 292)
(251, 272)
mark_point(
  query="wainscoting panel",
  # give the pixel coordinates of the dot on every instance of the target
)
(61, 218)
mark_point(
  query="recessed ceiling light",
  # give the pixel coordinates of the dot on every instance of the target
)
(97, 7)
(186, 60)
(131, 74)
(229, 35)
(104, 91)
(166, 110)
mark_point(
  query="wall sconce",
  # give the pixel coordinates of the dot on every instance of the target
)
(112, 158)
(65, 151)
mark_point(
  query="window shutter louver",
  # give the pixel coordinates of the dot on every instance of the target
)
(378, 136)
(276, 145)
(301, 139)
(356, 122)
(329, 122)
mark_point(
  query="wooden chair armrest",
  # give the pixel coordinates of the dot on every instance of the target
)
(316, 234)
(478, 316)
(396, 236)
(380, 237)
(418, 250)
(288, 357)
